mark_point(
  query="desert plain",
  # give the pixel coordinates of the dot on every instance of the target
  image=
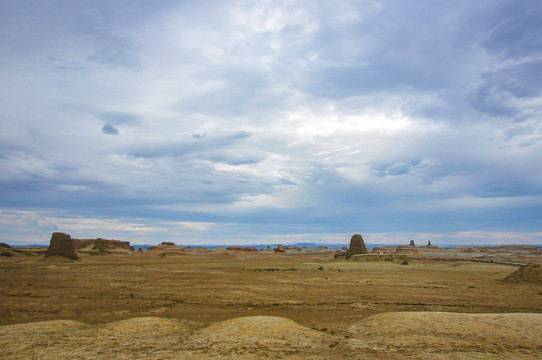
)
(304, 304)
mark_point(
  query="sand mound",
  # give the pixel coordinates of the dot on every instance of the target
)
(35, 340)
(419, 335)
(443, 332)
(531, 273)
(259, 332)
(143, 326)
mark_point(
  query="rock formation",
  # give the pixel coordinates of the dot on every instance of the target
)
(279, 249)
(61, 245)
(82, 243)
(234, 248)
(4, 245)
(412, 243)
(98, 245)
(167, 247)
(429, 246)
(357, 246)
(250, 248)
(383, 249)
(406, 250)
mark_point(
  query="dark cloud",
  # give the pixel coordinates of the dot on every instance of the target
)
(514, 29)
(497, 92)
(110, 129)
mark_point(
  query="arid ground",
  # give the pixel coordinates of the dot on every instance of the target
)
(237, 304)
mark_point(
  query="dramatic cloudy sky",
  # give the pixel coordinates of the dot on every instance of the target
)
(271, 121)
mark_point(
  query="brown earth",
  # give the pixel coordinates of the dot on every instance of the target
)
(249, 305)
(531, 273)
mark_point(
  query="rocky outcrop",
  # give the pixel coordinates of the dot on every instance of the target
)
(406, 250)
(383, 249)
(279, 249)
(241, 248)
(83, 243)
(429, 246)
(4, 245)
(166, 246)
(61, 245)
(357, 246)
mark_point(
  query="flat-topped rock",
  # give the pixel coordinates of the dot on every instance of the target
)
(61, 245)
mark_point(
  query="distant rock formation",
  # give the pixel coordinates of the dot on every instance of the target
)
(383, 249)
(241, 248)
(429, 246)
(4, 245)
(357, 246)
(406, 250)
(99, 247)
(116, 244)
(166, 246)
(61, 245)
(279, 249)
(410, 248)
(82, 243)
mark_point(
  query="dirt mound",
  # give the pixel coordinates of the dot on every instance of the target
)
(443, 332)
(259, 332)
(531, 274)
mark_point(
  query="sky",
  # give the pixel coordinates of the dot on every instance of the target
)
(238, 122)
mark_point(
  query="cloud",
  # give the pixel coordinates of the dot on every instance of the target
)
(190, 146)
(288, 115)
(110, 129)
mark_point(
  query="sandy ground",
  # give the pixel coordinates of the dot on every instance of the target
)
(242, 305)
